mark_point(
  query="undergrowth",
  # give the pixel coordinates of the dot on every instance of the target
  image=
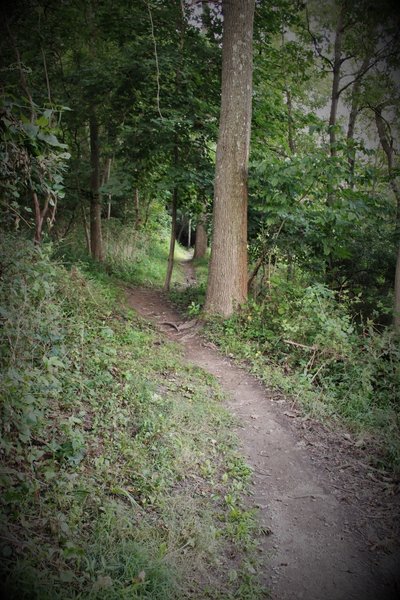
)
(119, 474)
(301, 338)
(135, 256)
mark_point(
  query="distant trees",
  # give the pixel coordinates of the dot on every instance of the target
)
(140, 83)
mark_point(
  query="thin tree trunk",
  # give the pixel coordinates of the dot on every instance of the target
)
(86, 228)
(335, 94)
(182, 227)
(96, 242)
(337, 63)
(40, 215)
(189, 233)
(106, 171)
(200, 244)
(137, 208)
(105, 178)
(175, 193)
(354, 111)
(227, 280)
(292, 144)
(170, 266)
(147, 211)
(387, 146)
(82, 207)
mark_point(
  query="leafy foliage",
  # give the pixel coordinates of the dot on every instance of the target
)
(33, 160)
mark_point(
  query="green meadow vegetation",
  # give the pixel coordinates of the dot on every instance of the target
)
(120, 475)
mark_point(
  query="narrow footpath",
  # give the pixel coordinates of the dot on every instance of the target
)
(333, 521)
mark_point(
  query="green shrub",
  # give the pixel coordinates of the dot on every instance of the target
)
(332, 363)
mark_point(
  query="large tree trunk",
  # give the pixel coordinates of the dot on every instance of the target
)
(200, 245)
(227, 280)
(96, 242)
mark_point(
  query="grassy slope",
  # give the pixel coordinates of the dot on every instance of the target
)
(119, 474)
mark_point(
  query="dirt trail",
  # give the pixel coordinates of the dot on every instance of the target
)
(326, 522)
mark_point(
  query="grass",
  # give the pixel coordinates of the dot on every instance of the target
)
(137, 257)
(120, 475)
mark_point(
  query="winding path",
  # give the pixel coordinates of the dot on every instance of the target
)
(324, 543)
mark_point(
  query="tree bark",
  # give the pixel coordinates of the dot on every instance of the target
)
(96, 242)
(227, 281)
(170, 266)
(200, 245)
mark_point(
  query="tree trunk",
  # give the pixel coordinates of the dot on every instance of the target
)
(86, 228)
(227, 280)
(189, 240)
(40, 215)
(137, 209)
(337, 63)
(200, 245)
(387, 146)
(292, 144)
(105, 178)
(170, 267)
(96, 242)
(354, 111)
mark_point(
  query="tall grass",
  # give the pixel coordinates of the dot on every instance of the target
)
(140, 257)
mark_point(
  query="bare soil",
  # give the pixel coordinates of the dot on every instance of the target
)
(333, 519)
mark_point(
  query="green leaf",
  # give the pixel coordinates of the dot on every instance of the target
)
(51, 139)
(31, 130)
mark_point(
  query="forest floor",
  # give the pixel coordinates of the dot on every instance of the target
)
(333, 519)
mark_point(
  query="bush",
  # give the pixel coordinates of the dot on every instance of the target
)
(309, 333)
